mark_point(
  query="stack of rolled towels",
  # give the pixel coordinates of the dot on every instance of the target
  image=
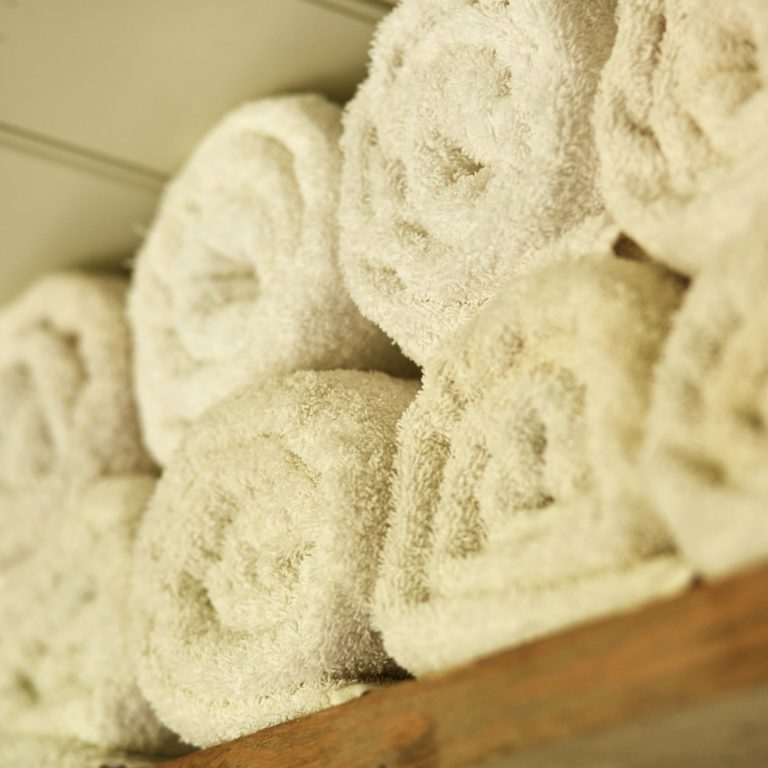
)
(475, 359)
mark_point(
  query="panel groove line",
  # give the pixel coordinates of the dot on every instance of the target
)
(362, 10)
(84, 159)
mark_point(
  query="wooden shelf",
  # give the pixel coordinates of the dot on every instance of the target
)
(679, 683)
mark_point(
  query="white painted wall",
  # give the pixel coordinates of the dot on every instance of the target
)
(100, 100)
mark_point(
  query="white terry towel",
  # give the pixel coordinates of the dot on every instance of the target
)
(17, 751)
(67, 414)
(67, 667)
(518, 505)
(257, 557)
(469, 157)
(681, 119)
(239, 276)
(708, 440)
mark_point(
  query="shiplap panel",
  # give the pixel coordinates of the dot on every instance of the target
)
(142, 80)
(101, 100)
(56, 215)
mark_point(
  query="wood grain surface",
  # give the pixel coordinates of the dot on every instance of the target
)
(612, 693)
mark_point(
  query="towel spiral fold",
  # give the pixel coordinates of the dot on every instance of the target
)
(239, 278)
(258, 554)
(67, 668)
(680, 121)
(66, 404)
(469, 157)
(707, 441)
(518, 507)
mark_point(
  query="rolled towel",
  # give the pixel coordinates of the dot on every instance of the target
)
(707, 441)
(67, 667)
(469, 157)
(680, 120)
(18, 751)
(66, 405)
(518, 505)
(258, 555)
(239, 276)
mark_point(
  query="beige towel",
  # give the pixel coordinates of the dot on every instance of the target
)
(708, 444)
(239, 275)
(45, 752)
(681, 119)
(257, 558)
(67, 668)
(469, 157)
(66, 405)
(519, 508)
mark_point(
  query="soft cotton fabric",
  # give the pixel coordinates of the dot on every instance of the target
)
(257, 558)
(66, 405)
(469, 157)
(707, 445)
(680, 121)
(67, 667)
(45, 752)
(519, 508)
(239, 277)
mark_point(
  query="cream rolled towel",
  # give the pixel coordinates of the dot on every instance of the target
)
(67, 666)
(45, 752)
(707, 443)
(519, 508)
(258, 555)
(67, 413)
(469, 157)
(239, 276)
(680, 120)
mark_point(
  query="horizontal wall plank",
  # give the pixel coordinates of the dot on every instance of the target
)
(60, 210)
(142, 81)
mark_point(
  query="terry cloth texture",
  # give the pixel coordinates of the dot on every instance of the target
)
(66, 404)
(707, 443)
(258, 555)
(680, 121)
(67, 667)
(469, 157)
(45, 752)
(519, 509)
(239, 277)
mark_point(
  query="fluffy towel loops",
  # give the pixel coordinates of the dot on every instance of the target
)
(66, 665)
(518, 505)
(239, 276)
(18, 751)
(469, 157)
(66, 405)
(257, 558)
(680, 120)
(708, 440)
